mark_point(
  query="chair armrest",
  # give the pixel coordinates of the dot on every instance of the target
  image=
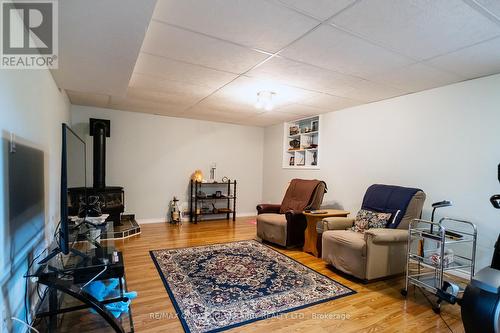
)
(386, 236)
(268, 208)
(296, 224)
(337, 223)
(292, 215)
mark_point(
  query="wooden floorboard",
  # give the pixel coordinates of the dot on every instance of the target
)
(377, 306)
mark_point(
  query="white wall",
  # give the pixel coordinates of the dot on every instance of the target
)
(32, 108)
(154, 156)
(444, 141)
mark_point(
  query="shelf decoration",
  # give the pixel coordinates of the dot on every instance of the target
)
(197, 176)
(212, 199)
(301, 143)
(175, 213)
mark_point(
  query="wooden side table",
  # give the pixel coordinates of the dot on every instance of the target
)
(310, 234)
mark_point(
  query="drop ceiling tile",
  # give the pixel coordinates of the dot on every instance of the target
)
(257, 23)
(243, 91)
(493, 6)
(99, 42)
(182, 72)
(472, 62)
(145, 106)
(418, 29)
(179, 44)
(210, 114)
(225, 104)
(417, 77)
(156, 84)
(329, 102)
(302, 110)
(320, 9)
(368, 91)
(88, 99)
(337, 50)
(303, 75)
(162, 97)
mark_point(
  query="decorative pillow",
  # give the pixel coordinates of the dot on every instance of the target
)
(366, 219)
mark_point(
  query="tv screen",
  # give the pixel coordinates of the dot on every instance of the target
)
(73, 175)
(26, 197)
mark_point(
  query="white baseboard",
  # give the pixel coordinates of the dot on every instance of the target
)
(246, 214)
(148, 221)
(164, 220)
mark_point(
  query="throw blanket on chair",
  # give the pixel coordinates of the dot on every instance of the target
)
(299, 194)
(389, 199)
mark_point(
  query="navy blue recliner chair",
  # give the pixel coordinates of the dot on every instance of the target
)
(375, 252)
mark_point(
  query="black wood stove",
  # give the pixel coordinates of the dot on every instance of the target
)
(112, 198)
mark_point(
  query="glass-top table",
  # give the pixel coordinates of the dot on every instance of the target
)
(68, 304)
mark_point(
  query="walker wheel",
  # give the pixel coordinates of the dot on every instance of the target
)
(404, 292)
(436, 310)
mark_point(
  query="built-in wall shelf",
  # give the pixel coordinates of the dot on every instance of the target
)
(301, 148)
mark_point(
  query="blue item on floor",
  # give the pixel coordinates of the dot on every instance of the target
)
(100, 290)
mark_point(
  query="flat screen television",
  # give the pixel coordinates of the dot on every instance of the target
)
(73, 174)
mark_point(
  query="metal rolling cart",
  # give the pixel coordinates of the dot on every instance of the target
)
(429, 259)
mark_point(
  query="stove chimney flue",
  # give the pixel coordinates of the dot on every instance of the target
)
(99, 129)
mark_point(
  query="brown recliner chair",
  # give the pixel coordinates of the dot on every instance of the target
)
(380, 252)
(284, 224)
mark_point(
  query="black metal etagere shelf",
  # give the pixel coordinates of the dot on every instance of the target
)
(199, 198)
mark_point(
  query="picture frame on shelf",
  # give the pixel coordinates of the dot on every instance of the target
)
(314, 125)
(294, 130)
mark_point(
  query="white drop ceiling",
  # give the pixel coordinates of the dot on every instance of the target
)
(208, 59)
(99, 43)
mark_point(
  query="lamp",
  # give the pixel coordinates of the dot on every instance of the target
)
(440, 204)
(436, 205)
(265, 100)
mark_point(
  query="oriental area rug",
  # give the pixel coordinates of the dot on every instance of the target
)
(221, 286)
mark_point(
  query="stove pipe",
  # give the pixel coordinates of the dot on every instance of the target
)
(99, 129)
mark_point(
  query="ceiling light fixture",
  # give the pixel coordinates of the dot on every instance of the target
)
(265, 100)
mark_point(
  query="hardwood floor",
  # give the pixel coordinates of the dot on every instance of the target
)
(377, 306)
